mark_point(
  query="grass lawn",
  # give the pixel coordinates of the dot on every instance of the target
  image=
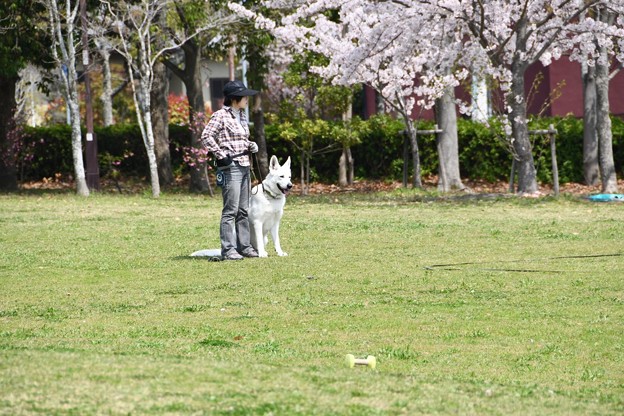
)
(491, 307)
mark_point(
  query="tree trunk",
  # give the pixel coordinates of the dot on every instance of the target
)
(231, 62)
(512, 175)
(591, 169)
(260, 137)
(74, 108)
(151, 154)
(342, 168)
(345, 170)
(413, 136)
(8, 168)
(448, 153)
(142, 103)
(307, 173)
(62, 33)
(304, 189)
(480, 101)
(603, 126)
(412, 133)
(73, 103)
(191, 76)
(351, 171)
(107, 87)
(345, 164)
(160, 123)
(527, 180)
(553, 158)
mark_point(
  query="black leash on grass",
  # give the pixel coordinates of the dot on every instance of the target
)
(450, 266)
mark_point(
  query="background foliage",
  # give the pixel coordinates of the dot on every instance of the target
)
(377, 156)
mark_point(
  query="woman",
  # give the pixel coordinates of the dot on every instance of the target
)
(227, 136)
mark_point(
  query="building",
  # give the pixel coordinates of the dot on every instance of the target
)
(215, 74)
(553, 90)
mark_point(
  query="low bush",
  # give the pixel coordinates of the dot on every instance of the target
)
(119, 146)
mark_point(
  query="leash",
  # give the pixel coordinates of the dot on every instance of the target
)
(453, 266)
(255, 159)
(261, 180)
(253, 173)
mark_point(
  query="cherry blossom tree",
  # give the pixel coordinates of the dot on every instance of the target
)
(511, 36)
(598, 47)
(607, 39)
(408, 49)
(374, 43)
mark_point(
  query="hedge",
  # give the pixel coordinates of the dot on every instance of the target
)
(377, 156)
(119, 147)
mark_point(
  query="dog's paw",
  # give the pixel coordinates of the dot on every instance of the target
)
(282, 254)
(263, 254)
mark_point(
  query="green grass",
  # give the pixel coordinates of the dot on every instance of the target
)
(471, 307)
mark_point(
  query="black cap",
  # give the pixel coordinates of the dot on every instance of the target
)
(237, 89)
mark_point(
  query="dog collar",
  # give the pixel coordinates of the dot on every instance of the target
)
(271, 194)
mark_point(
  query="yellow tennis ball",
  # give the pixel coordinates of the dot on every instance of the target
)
(350, 360)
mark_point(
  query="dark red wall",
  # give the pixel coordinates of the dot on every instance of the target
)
(561, 80)
(559, 84)
(616, 94)
(564, 76)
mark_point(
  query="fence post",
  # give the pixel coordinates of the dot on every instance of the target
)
(406, 144)
(405, 157)
(553, 156)
(512, 175)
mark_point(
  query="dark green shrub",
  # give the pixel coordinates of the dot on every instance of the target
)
(379, 155)
(379, 148)
(482, 152)
(569, 147)
(323, 166)
(121, 144)
(618, 144)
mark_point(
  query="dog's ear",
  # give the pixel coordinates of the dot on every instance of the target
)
(274, 164)
(287, 163)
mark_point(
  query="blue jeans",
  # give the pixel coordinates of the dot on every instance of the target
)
(234, 228)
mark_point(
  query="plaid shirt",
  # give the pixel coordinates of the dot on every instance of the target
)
(224, 135)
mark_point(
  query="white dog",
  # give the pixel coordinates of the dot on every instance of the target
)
(267, 207)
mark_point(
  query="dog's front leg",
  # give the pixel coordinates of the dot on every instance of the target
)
(276, 240)
(257, 240)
